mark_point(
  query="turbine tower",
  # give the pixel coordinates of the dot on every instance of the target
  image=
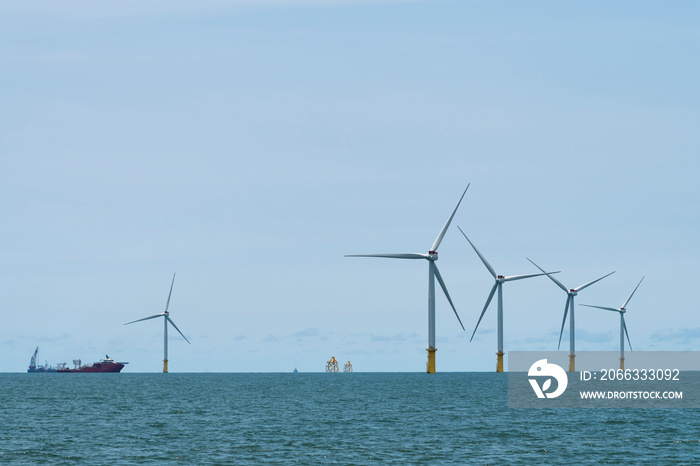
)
(623, 327)
(166, 319)
(433, 273)
(569, 306)
(500, 280)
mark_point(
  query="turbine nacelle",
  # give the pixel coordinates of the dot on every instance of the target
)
(573, 292)
(432, 256)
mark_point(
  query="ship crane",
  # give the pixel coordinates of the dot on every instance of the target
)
(32, 363)
(34, 368)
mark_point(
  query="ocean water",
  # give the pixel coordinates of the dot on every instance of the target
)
(318, 418)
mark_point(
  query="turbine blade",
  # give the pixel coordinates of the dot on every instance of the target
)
(560, 284)
(173, 324)
(145, 318)
(408, 255)
(635, 289)
(624, 325)
(528, 275)
(601, 307)
(440, 235)
(483, 259)
(447, 295)
(488, 301)
(167, 304)
(566, 311)
(594, 281)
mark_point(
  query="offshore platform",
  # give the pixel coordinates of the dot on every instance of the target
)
(332, 366)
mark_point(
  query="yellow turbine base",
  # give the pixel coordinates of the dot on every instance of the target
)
(572, 365)
(165, 366)
(431, 360)
(622, 363)
(499, 363)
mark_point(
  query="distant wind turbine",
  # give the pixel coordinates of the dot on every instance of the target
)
(433, 273)
(500, 280)
(623, 327)
(166, 319)
(570, 306)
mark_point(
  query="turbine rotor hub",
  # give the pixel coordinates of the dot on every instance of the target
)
(432, 255)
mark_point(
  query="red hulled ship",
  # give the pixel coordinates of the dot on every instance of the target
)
(105, 365)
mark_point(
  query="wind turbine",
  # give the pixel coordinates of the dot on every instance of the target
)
(500, 280)
(570, 306)
(433, 273)
(623, 327)
(166, 319)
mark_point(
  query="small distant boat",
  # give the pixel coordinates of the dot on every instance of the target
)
(34, 368)
(105, 365)
(295, 370)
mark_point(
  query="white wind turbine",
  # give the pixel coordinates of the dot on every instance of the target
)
(571, 293)
(500, 280)
(166, 319)
(433, 273)
(623, 327)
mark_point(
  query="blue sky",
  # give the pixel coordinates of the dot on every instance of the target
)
(248, 146)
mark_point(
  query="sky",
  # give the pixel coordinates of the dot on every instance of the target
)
(248, 146)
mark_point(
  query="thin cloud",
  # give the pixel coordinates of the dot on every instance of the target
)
(683, 336)
(591, 337)
(307, 332)
(400, 337)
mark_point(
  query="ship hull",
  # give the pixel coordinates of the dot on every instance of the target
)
(32, 370)
(98, 367)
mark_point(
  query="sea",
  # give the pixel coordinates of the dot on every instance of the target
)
(319, 418)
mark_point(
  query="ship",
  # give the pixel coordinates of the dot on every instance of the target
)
(34, 368)
(105, 365)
